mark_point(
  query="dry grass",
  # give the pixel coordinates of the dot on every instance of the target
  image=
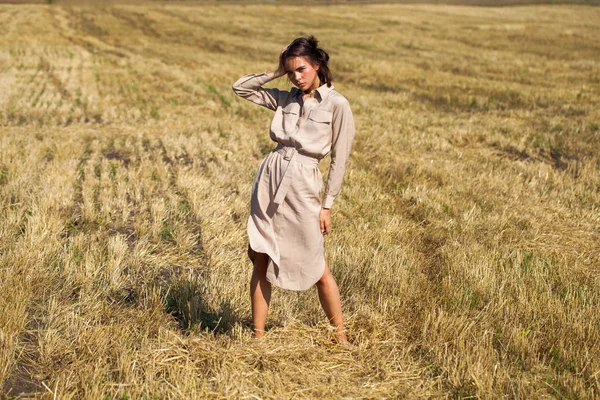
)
(466, 238)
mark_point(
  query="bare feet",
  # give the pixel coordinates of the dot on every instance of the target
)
(259, 333)
(341, 338)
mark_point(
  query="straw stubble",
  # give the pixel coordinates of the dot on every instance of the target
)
(465, 239)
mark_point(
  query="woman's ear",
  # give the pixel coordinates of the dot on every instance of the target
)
(317, 66)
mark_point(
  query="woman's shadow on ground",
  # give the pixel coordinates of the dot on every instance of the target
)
(188, 301)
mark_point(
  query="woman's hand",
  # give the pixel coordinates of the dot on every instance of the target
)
(325, 219)
(281, 68)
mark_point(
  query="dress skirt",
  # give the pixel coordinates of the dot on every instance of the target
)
(284, 218)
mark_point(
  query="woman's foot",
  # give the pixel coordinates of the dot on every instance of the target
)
(258, 333)
(341, 338)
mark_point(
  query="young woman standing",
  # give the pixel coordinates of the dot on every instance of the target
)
(288, 219)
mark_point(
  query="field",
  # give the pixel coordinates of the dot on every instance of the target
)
(465, 239)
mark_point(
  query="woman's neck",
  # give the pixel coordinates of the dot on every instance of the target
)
(314, 86)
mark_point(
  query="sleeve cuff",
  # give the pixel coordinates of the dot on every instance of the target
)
(327, 201)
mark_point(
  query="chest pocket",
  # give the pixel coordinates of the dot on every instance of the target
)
(290, 116)
(319, 127)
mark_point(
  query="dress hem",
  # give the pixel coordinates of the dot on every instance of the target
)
(250, 248)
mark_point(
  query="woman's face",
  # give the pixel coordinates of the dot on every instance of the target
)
(302, 73)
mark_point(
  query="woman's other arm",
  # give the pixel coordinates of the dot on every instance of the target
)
(342, 137)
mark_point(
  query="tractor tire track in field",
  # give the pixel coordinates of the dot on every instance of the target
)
(137, 21)
(116, 161)
(21, 380)
(41, 262)
(209, 43)
(76, 210)
(188, 287)
(80, 29)
(58, 84)
(94, 40)
(66, 22)
(140, 22)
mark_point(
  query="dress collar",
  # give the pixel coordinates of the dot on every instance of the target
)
(322, 90)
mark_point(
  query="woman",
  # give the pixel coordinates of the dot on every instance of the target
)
(287, 218)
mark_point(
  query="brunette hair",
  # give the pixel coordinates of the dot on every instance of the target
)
(308, 47)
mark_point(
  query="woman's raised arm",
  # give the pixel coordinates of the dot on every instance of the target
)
(250, 88)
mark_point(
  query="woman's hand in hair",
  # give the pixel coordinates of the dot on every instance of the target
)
(281, 68)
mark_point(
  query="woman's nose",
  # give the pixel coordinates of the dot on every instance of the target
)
(297, 76)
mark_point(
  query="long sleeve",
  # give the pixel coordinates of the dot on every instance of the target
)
(249, 87)
(343, 136)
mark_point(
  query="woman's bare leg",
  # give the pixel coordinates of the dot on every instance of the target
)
(260, 293)
(329, 296)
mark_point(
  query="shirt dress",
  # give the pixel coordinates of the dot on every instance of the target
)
(285, 204)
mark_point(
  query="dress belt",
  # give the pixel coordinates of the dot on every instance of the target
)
(290, 154)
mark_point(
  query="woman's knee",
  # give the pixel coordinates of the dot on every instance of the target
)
(326, 278)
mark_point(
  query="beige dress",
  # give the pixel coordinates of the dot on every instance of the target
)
(285, 202)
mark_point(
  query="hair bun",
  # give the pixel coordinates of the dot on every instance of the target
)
(322, 55)
(314, 43)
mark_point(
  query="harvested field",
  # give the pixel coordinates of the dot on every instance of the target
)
(466, 238)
